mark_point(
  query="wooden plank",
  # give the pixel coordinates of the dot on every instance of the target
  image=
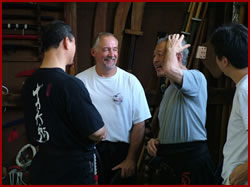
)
(197, 37)
(100, 18)
(137, 15)
(120, 21)
(190, 17)
(136, 21)
(71, 19)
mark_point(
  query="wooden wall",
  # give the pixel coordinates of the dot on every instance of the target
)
(169, 18)
(89, 18)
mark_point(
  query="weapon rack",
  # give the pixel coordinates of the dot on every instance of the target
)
(21, 54)
(21, 46)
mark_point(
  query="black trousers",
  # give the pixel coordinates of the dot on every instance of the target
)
(112, 154)
(62, 169)
(183, 163)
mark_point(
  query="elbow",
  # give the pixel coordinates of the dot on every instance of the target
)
(99, 135)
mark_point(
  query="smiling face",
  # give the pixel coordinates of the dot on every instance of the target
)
(106, 53)
(158, 58)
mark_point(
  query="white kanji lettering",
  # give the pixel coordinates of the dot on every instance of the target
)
(43, 134)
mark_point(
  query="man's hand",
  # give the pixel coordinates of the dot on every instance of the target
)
(172, 64)
(239, 174)
(151, 147)
(174, 43)
(127, 167)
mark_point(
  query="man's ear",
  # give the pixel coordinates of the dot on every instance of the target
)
(92, 51)
(225, 61)
(66, 42)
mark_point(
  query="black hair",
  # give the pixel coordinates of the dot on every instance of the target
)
(231, 41)
(53, 33)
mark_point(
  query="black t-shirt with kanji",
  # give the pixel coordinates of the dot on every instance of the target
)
(59, 117)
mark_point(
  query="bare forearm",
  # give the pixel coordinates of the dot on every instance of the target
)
(239, 174)
(172, 66)
(136, 140)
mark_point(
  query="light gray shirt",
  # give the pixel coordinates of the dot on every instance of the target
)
(182, 113)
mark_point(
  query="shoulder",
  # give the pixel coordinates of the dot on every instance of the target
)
(195, 74)
(127, 76)
(85, 73)
(68, 83)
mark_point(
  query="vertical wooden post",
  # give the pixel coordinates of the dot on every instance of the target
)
(120, 22)
(71, 19)
(100, 18)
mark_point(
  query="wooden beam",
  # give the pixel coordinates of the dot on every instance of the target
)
(71, 19)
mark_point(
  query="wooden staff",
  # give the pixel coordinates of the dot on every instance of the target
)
(18, 26)
(190, 17)
(155, 129)
(32, 6)
(15, 47)
(196, 62)
(186, 17)
(100, 17)
(197, 37)
(70, 18)
(135, 31)
(195, 23)
(243, 10)
(15, 36)
(120, 21)
(29, 17)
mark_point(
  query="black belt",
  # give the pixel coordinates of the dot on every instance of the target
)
(183, 150)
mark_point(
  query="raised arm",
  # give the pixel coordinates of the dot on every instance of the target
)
(173, 58)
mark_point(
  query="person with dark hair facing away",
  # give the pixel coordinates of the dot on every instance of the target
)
(59, 115)
(230, 43)
(121, 101)
(180, 153)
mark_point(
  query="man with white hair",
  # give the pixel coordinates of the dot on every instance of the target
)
(180, 153)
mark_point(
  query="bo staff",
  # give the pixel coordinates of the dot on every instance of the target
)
(26, 73)
(22, 37)
(100, 18)
(197, 36)
(15, 47)
(136, 21)
(243, 11)
(29, 17)
(186, 31)
(120, 21)
(31, 6)
(186, 17)
(19, 26)
(195, 23)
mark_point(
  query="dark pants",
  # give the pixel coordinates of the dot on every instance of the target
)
(183, 163)
(112, 154)
(62, 170)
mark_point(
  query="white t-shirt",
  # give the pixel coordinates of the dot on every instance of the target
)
(235, 150)
(120, 100)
